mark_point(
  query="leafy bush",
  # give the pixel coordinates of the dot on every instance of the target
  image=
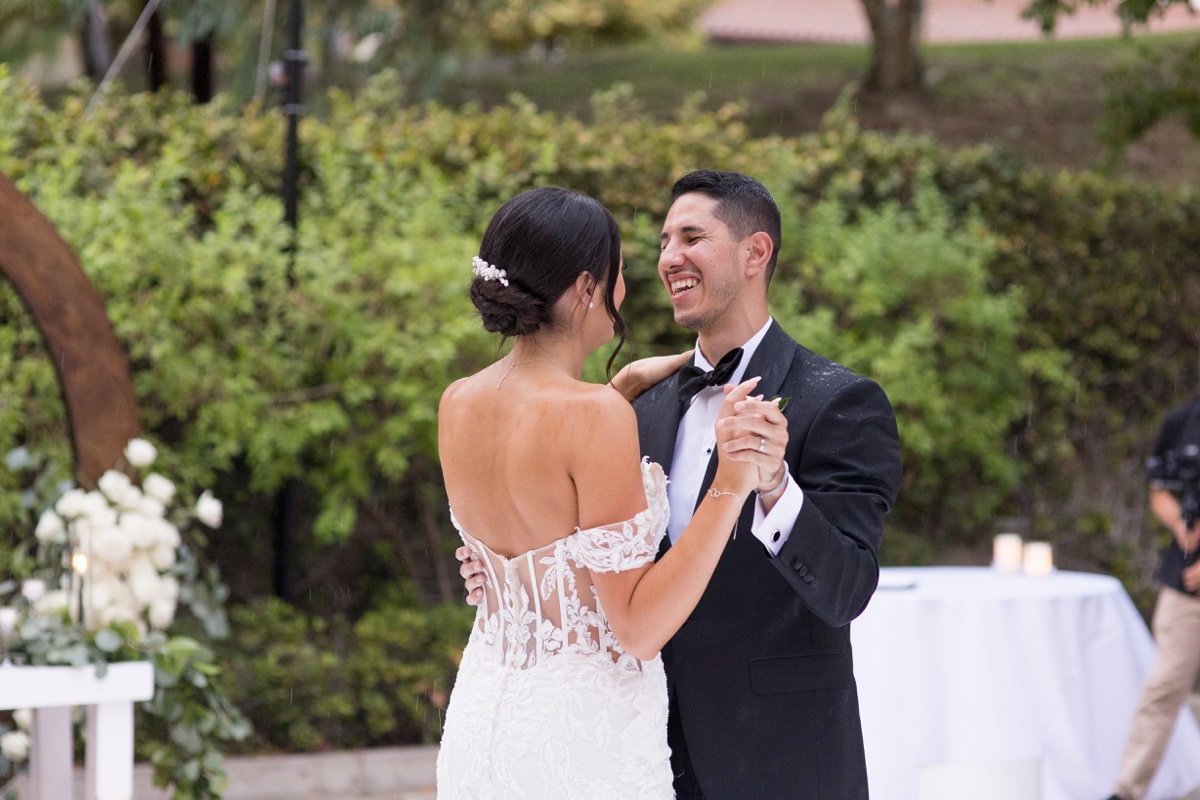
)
(308, 683)
(902, 294)
(1157, 85)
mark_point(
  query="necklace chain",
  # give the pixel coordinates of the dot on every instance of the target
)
(514, 364)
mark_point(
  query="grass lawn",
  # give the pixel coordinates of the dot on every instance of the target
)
(1042, 99)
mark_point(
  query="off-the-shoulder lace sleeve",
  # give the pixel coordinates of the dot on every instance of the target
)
(633, 543)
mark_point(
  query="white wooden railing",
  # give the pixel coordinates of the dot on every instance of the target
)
(51, 692)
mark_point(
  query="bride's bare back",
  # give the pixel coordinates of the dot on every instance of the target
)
(512, 456)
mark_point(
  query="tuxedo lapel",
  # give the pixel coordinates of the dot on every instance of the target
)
(658, 414)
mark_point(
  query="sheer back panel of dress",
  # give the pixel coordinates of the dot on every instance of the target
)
(543, 603)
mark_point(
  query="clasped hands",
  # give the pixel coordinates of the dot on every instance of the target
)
(757, 433)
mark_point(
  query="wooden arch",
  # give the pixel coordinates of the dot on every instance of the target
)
(91, 366)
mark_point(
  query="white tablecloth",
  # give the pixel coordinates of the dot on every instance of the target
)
(963, 664)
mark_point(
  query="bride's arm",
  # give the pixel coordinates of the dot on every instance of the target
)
(638, 376)
(647, 604)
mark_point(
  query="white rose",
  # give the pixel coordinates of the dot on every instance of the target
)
(162, 613)
(50, 528)
(101, 592)
(83, 532)
(51, 603)
(15, 745)
(168, 588)
(143, 582)
(70, 505)
(110, 600)
(209, 509)
(112, 545)
(140, 453)
(141, 530)
(158, 487)
(8, 618)
(130, 499)
(102, 518)
(114, 483)
(33, 589)
(166, 533)
(121, 611)
(163, 556)
(23, 717)
(95, 504)
(151, 507)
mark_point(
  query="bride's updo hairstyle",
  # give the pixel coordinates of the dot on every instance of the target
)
(542, 239)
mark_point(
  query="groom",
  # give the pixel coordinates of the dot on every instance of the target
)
(762, 694)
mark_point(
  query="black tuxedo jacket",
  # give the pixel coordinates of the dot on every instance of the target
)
(763, 699)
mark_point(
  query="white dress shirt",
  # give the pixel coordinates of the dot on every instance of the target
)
(694, 445)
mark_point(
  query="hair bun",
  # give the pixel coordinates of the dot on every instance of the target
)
(507, 310)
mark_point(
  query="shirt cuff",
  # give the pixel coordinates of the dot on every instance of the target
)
(774, 529)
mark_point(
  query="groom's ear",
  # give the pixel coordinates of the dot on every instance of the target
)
(759, 248)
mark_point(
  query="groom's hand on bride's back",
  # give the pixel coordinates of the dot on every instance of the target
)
(472, 572)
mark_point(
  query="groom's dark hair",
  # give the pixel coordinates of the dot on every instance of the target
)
(743, 204)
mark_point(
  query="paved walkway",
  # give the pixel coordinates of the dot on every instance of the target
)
(383, 773)
(843, 21)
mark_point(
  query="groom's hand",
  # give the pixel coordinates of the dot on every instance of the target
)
(472, 573)
(761, 438)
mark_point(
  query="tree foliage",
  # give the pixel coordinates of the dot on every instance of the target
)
(1131, 12)
(347, 40)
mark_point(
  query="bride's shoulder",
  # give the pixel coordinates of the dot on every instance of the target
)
(599, 398)
(454, 390)
(601, 416)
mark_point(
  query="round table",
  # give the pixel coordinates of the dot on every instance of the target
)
(971, 666)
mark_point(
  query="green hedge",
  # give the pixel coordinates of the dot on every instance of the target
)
(309, 683)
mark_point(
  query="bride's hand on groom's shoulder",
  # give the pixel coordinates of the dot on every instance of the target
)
(638, 376)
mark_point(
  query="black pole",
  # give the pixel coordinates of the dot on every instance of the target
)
(294, 58)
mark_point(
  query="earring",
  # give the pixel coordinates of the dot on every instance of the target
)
(591, 305)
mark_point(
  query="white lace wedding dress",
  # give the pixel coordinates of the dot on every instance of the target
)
(546, 703)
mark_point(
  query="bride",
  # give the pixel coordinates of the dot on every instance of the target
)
(561, 692)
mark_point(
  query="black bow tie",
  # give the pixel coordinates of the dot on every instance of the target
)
(692, 379)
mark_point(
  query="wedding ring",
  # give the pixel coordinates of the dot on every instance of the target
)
(762, 444)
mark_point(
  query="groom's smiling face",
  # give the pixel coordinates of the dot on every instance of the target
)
(698, 263)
